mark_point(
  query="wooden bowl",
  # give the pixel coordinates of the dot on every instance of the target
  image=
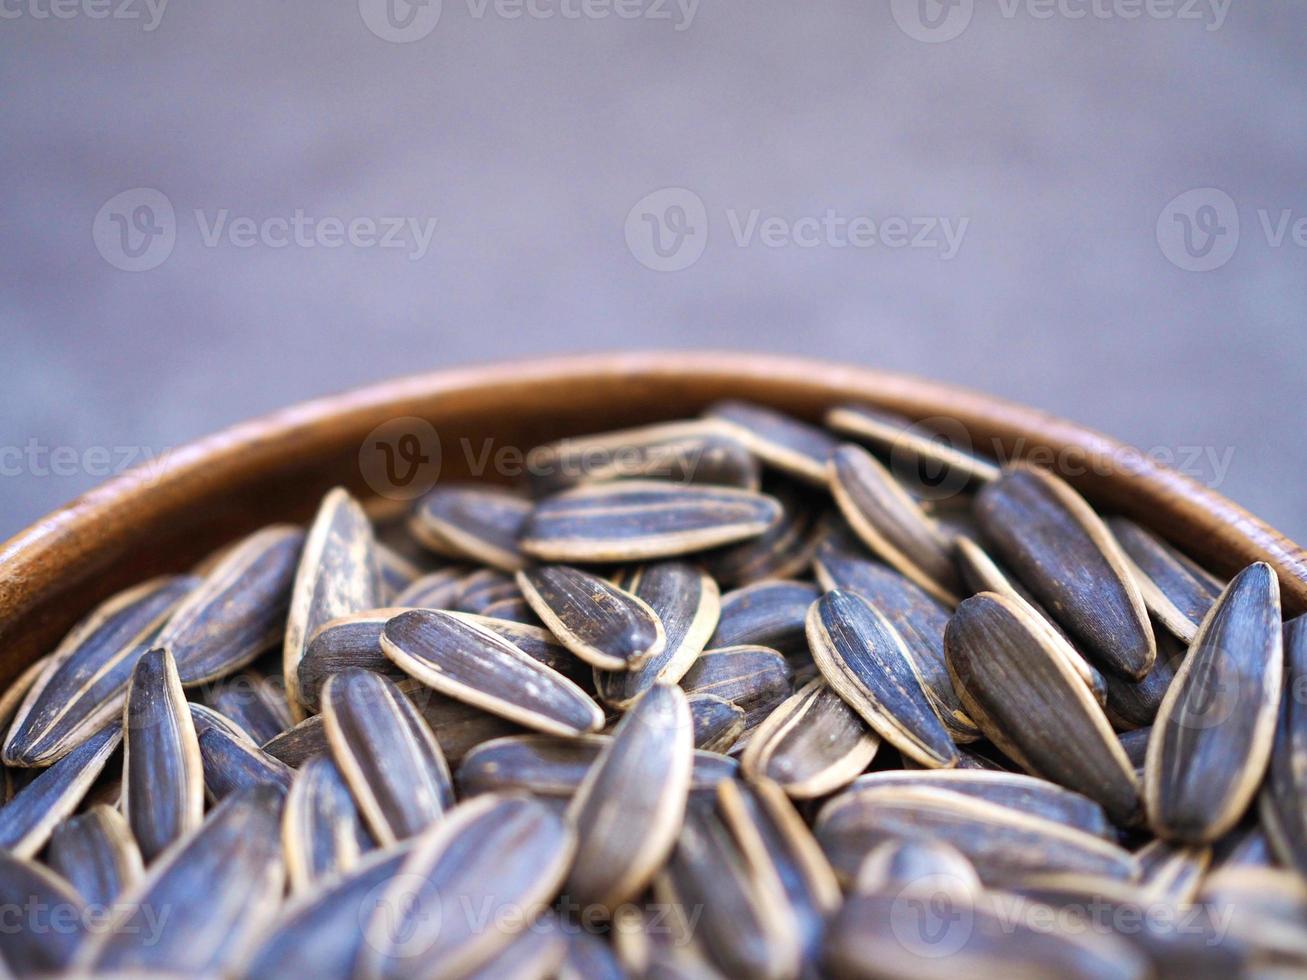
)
(277, 467)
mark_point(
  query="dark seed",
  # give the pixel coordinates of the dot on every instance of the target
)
(387, 755)
(862, 657)
(488, 856)
(680, 452)
(163, 776)
(891, 523)
(1001, 842)
(483, 589)
(1284, 798)
(783, 551)
(919, 620)
(770, 614)
(435, 590)
(639, 520)
(628, 810)
(912, 448)
(1212, 739)
(1175, 590)
(44, 919)
(232, 762)
(470, 663)
(473, 522)
(793, 447)
(687, 603)
(254, 702)
(811, 745)
(1025, 697)
(220, 888)
(604, 625)
(27, 820)
(322, 832)
(85, 681)
(96, 852)
(1063, 552)
(338, 574)
(753, 678)
(717, 723)
(239, 610)
(1134, 704)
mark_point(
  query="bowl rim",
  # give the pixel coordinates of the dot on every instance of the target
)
(74, 542)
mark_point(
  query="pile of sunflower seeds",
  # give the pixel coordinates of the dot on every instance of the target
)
(736, 696)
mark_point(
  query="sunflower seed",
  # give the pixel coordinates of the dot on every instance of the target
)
(232, 762)
(1134, 704)
(910, 447)
(481, 590)
(463, 660)
(891, 523)
(163, 776)
(472, 522)
(322, 834)
(718, 724)
(753, 678)
(254, 702)
(628, 809)
(85, 680)
(458, 727)
(686, 603)
(1284, 798)
(298, 745)
(220, 886)
(982, 574)
(919, 620)
(604, 625)
(1266, 912)
(386, 753)
(353, 640)
(97, 854)
(811, 745)
(44, 919)
(637, 520)
(337, 575)
(770, 614)
(746, 929)
(865, 661)
(1172, 873)
(696, 451)
(1030, 703)
(1135, 745)
(1213, 735)
(782, 856)
(551, 766)
(783, 551)
(435, 590)
(442, 915)
(1063, 552)
(793, 447)
(1036, 797)
(897, 863)
(239, 610)
(27, 820)
(1001, 842)
(1176, 591)
(319, 935)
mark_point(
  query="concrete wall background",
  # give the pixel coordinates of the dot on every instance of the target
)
(1065, 143)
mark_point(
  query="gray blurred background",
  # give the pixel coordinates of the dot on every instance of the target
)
(1102, 215)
